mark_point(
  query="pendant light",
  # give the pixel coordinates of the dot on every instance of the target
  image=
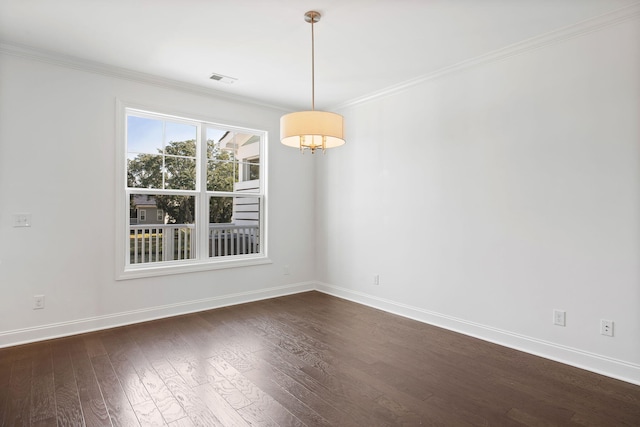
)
(313, 129)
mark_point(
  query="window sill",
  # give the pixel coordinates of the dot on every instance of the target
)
(181, 267)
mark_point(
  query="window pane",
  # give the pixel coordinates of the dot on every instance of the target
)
(181, 148)
(221, 165)
(250, 169)
(248, 155)
(214, 140)
(183, 136)
(166, 230)
(152, 145)
(221, 175)
(144, 171)
(234, 159)
(144, 135)
(220, 210)
(180, 173)
(234, 225)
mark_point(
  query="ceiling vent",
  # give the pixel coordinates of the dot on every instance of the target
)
(223, 79)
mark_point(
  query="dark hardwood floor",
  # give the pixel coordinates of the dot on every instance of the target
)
(306, 359)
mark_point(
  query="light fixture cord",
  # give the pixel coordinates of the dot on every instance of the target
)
(313, 68)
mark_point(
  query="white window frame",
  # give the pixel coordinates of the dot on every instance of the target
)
(202, 261)
(160, 215)
(142, 215)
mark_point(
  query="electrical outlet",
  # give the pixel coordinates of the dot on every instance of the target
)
(285, 270)
(559, 317)
(606, 327)
(376, 279)
(38, 302)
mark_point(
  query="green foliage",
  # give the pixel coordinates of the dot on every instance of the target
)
(220, 210)
(179, 173)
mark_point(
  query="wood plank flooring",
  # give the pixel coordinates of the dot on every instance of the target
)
(301, 360)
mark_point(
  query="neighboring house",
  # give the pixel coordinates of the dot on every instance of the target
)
(144, 210)
(246, 210)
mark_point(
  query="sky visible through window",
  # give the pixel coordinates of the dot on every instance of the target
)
(145, 135)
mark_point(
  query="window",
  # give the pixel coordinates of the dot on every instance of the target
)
(251, 169)
(193, 197)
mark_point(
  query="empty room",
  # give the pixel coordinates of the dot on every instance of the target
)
(329, 213)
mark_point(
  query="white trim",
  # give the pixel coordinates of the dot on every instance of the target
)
(62, 329)
(165, 268)
(584, 27)
(614, 368)
(121, 203)
(610, 367)
(75, 63)
(557, 36)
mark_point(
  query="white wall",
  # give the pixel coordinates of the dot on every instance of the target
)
(57, 162)
(490, 196)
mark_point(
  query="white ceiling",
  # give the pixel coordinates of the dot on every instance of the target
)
(362, 46)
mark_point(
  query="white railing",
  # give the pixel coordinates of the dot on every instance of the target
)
(168, 242)
(160, 242)
(230, 239)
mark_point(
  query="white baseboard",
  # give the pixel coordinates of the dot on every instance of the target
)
(610, 367)
(62, 329)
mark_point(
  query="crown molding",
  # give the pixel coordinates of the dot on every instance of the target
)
(606, 20)
(587, 26)
(72, 62)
